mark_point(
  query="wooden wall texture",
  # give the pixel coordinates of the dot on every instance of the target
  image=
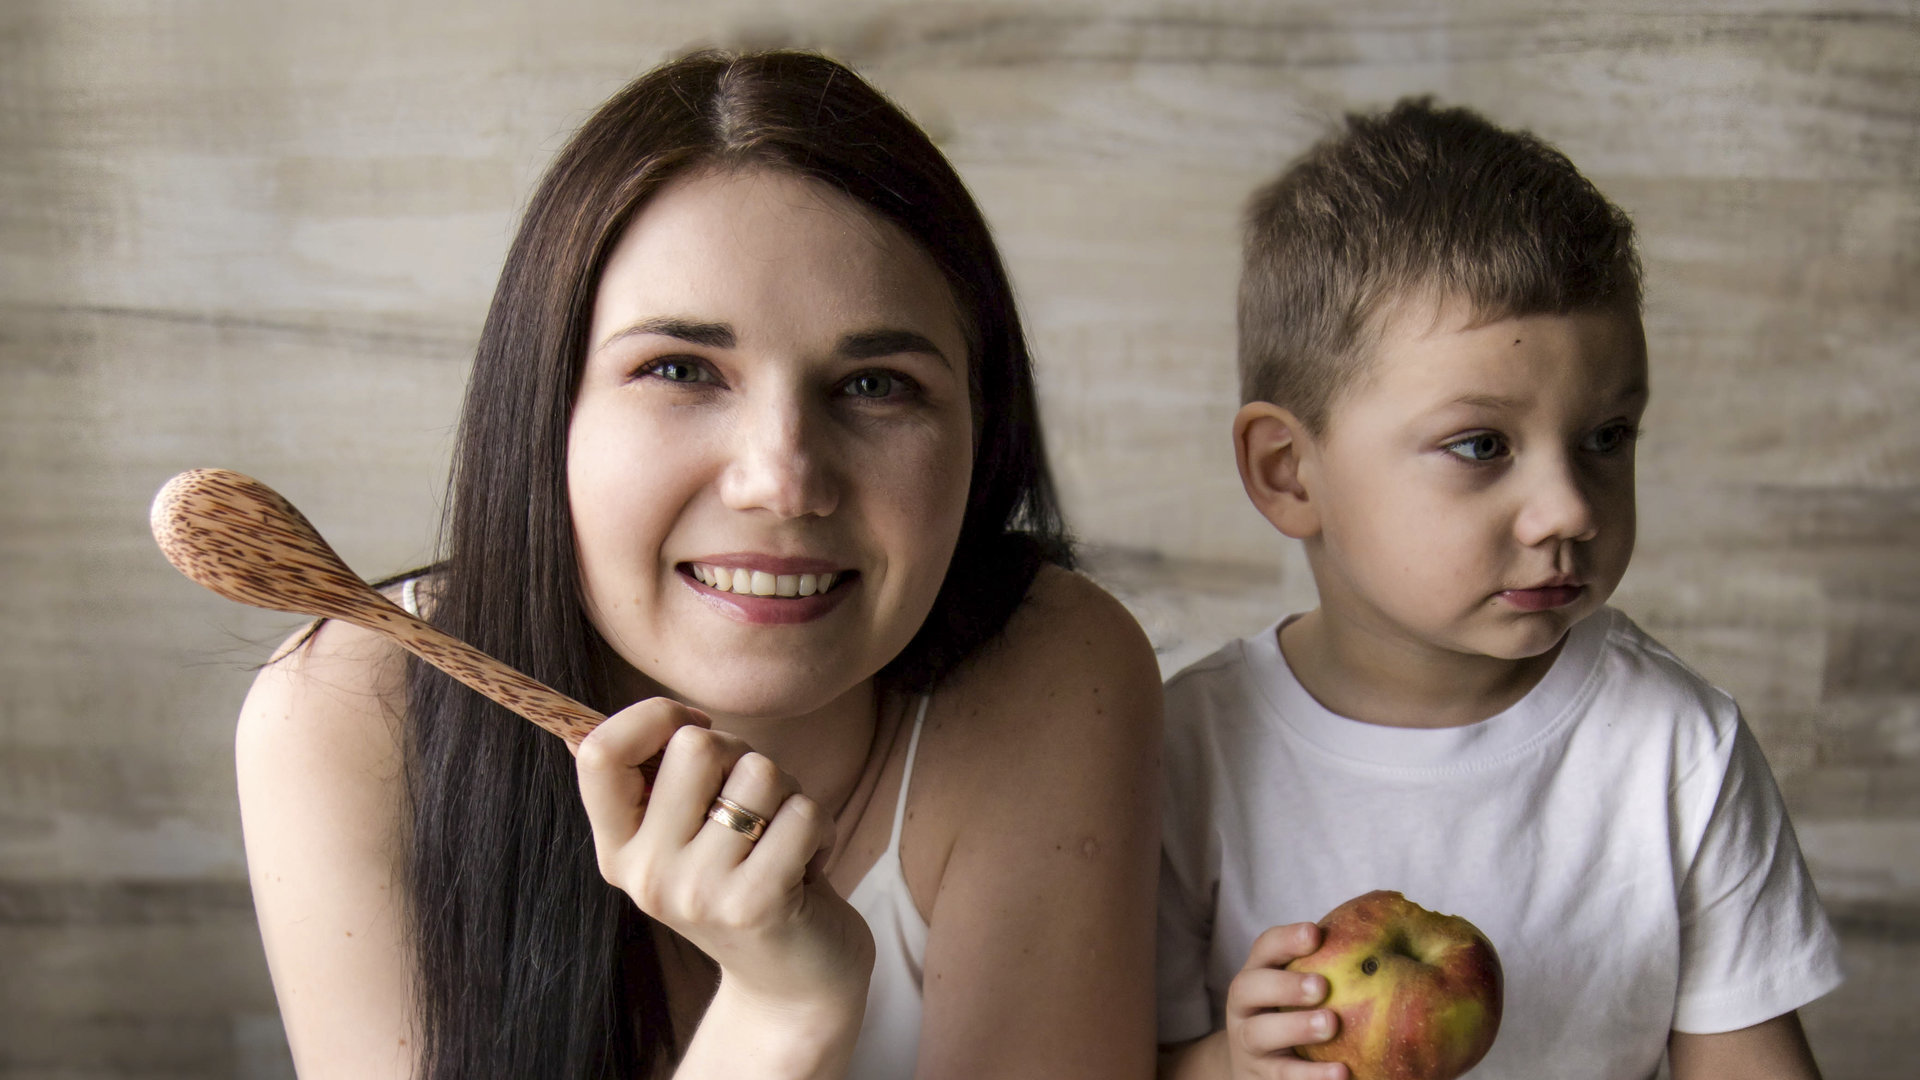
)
(262, 235)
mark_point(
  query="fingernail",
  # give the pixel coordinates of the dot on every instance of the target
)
(1314, 986)
(1322, 1024)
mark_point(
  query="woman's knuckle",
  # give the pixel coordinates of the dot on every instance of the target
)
(805, 810)
(650, 890)
(693, 742)
(594, 755)
(759, 769)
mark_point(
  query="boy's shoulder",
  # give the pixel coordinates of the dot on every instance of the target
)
(1224, 663)
(1636, 671)
(1228, 680)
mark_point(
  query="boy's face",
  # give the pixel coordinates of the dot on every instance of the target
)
(1474, 487)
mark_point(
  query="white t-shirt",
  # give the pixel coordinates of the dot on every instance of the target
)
(1616, 833)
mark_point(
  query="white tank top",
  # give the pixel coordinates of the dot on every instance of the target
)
(889, 1040)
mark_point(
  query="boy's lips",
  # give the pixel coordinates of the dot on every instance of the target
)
(1545, 597)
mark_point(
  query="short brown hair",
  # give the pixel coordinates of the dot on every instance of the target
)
(1415, 199)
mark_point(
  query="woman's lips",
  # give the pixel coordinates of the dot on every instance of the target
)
(778, 599)
(742, 581)
(1543, 598)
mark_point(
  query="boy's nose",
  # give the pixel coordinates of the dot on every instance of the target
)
(779, 464)
(1557, 507)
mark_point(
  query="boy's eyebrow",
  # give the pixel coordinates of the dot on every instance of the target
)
(1633, 391)
(711, 334)
(1486, 401)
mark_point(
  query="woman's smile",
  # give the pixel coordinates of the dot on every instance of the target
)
(768, 589)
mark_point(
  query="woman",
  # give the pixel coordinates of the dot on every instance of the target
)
(749, 461)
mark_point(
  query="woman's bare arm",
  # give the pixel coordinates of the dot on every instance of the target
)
(319, 764)
(1040, 951)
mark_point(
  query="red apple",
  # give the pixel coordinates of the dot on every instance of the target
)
(1417, 992)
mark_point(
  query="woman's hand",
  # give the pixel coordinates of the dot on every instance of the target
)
(794, 958)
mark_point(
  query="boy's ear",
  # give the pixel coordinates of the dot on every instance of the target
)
(1271, 446)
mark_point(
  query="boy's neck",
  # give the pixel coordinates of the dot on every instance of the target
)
(1376, 678)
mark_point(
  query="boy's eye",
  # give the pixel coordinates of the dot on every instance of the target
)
(1611, 439)
(1484, 446)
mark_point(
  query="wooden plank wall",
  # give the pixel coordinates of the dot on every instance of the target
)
(263, 236)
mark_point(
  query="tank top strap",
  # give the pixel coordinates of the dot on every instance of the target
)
(906, 778)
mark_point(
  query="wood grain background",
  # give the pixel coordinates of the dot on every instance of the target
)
(262, 236)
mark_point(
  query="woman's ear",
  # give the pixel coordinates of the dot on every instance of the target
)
(1274, 450)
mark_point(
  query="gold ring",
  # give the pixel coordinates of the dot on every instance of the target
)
(737, 817)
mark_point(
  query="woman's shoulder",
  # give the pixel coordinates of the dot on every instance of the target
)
(1071, 664)
(1068, 617)
(328, 703)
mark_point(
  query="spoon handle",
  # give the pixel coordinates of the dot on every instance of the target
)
(241, 539)
(535, 700)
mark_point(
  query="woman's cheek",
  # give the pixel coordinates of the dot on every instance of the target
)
(615, 488)
(924, 499)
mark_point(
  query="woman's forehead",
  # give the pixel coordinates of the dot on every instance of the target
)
(767, 248)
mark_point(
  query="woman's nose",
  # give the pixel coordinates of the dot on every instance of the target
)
(1557, 506)
(780, 463)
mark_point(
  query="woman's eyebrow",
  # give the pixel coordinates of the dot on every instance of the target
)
(873, 344)
(711, 334)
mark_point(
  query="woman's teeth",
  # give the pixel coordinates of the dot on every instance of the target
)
(761, 583)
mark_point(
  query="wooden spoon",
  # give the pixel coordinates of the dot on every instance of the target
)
(240, 538)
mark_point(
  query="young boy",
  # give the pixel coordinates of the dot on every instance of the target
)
(1442, 359)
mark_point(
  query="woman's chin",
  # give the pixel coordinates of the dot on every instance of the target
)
(761, 691)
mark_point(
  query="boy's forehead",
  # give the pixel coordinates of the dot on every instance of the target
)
(1450, 348)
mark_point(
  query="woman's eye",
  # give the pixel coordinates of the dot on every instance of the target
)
(676, 371)
(1485, 446)
(877, 385)
(1611, 439)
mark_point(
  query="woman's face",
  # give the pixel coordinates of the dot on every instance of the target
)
(770, 451)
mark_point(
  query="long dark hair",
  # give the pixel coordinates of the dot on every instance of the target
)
(528, 963)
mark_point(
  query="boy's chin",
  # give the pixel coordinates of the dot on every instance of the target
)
(1528, 636)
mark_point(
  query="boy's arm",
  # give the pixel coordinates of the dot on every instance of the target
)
(1755, 944)
(1773, 1050)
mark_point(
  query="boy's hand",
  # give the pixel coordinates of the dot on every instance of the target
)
(1260, 1037)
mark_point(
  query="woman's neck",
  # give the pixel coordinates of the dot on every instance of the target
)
(826, 750)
